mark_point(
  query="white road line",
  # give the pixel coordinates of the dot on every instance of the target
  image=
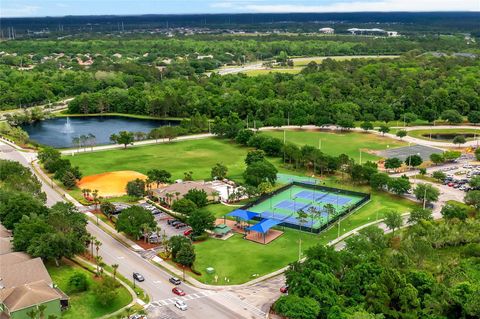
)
(169, 301)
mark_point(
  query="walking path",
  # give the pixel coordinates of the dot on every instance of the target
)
(55, 107)
(407, 139)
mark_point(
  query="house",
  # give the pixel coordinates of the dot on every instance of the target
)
(25, 285)
(179, 190)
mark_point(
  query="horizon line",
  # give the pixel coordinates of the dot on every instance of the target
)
(227, 13)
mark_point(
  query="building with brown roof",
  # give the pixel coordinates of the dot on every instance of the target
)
(179, 190)
(25, 285)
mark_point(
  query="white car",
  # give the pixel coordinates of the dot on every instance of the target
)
(181, 305)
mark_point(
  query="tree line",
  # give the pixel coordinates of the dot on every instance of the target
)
(333, 92)
(426, 271)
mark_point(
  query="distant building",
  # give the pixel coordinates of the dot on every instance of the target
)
(374, 31)
(327, 30)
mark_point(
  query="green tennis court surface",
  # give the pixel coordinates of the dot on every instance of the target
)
(285, 205)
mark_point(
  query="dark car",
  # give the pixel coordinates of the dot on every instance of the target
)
(170, 221)
(175, 281)
(138, 277)
(181, 225)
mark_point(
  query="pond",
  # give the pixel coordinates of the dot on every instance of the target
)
(447, 136)
(59, 132)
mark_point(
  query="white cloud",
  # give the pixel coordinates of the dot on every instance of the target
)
(379, 5)
(18, 11)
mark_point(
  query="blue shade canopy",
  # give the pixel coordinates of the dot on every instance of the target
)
(243, 214)
(264, 225)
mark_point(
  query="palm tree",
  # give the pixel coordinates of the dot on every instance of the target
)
(76, 143)
(95, 198)
(83, 141)
(32, 313)
(301, 218)
(169, 197)
(41, 311)
(114, 268)
(92, 139)
(91, 240)
(98, 261)
(146, 230)
(330, 209)
(312, 211)
(98, 243)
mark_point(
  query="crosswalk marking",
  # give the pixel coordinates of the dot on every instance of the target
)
(253, 309)
(171, 301)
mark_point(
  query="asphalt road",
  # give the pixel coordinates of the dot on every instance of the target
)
(201, 303)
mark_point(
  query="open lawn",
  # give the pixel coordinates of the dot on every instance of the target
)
(198, 156)
(267, 71)
(333, 143)
(305, 61)
(223, 255)
(84, 304)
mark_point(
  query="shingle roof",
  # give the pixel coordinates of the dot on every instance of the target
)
(28, 295)
(24, 272)
(182, 188)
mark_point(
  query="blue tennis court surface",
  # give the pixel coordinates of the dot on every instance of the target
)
(316, 196)
(286, 219)
(286, 204)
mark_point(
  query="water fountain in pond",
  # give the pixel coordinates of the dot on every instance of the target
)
(67, 128)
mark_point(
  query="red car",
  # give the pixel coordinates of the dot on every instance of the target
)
(188, 232)
(284, 289)
(178, 291)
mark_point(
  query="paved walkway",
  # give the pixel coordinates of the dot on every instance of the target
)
(136, 144)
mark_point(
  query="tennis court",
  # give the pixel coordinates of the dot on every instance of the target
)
(285, 204)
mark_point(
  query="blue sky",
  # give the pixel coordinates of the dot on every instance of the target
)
(35, 8)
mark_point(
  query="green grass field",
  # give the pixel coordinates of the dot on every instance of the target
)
(84, 304)
(198, 156)
(305, 61)
(333, 143)
(425, 134)
(263, 72)
(223, 255)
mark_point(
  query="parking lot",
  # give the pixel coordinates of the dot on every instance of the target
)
(162, 220)
(459, 176)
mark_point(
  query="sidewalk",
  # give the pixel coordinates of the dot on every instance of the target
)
(136, 144)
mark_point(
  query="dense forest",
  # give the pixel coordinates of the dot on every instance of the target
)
(408, 21)
(431, 270)
(321, 94)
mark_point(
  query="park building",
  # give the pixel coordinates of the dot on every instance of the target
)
(327, 30)
(373, 31)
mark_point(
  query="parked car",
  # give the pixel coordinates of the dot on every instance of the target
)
(175, 223)
(180, 225)
(170, 221)
(178, 291)
(175, 281)
(284, 289)
(138, 277)
(188, 232)
(181, 305)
